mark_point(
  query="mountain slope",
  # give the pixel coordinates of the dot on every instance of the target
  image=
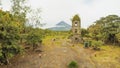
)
(61, 26)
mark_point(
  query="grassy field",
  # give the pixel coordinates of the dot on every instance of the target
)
(109, 56)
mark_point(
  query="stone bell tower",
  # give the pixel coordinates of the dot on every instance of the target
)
(76, 32)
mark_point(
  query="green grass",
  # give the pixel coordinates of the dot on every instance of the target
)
(50, 44)
(109, 55)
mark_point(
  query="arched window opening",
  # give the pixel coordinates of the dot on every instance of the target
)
(75, 30)
(76, 24)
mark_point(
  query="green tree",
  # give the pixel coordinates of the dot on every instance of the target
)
(9, 37)
(111, 25)
(106, 28)
(35, 18)
(95, 31)
(84, 32)
(20, 10)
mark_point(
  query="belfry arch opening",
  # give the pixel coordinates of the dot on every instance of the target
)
(76, 23)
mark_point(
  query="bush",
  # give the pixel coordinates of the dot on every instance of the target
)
(34, 39)
(9, 43)
(96, 44)
(73, 64)
(9, 37)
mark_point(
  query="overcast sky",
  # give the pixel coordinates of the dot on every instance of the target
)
(54, 11)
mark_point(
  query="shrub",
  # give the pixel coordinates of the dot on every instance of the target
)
(9, 37)
(34, 39)
(96, 44)
(73, 64)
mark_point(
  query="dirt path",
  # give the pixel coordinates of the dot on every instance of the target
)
(60, 57)
(56, 57)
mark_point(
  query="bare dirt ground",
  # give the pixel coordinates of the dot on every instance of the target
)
(56, 55)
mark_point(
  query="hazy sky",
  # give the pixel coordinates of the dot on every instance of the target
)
(54, 11)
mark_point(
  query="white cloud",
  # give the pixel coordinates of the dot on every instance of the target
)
(54, 11)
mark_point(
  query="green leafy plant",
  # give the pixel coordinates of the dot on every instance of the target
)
(96, 44)
(73, 64)
(9, 37)
(34, 39)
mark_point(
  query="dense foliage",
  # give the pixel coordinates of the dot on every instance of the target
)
(84, 32)
(14, 32)
(106, 29)
(34, 38)
(12, 36)
(9, 37)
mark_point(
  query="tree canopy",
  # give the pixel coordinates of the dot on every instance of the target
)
(107, 29)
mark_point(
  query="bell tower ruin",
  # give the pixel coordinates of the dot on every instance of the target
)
(76, 32)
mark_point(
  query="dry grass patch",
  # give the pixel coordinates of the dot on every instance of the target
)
(108, 55)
